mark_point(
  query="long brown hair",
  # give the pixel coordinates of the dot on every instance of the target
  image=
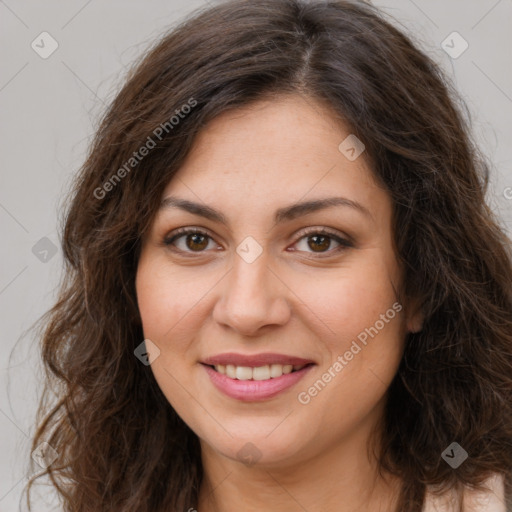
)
(120, 444)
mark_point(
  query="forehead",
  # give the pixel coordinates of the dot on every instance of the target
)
(272, 153)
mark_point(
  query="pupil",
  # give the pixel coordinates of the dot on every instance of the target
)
(194, 237)
(316, 237)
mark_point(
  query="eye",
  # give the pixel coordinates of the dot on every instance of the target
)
(196, 240)
(319, 239)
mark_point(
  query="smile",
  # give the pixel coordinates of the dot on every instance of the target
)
(255, 384)
(266, 372)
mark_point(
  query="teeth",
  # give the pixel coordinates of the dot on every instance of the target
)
(276, 370)
(259, 373)
(243, 373)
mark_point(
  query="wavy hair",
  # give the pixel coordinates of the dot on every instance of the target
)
(120, 444)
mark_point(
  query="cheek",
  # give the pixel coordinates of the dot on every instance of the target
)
(361, 322)
(350, 300)
(365, 346)
(153, 296)
(167, 299)
(166, 306)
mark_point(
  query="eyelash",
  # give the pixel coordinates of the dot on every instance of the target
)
(344, 243)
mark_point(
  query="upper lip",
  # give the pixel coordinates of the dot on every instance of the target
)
(255, 360)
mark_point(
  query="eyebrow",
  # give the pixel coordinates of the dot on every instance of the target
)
(287, 213)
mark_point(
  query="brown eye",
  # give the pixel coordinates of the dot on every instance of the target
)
(320, 241)
(195, 240)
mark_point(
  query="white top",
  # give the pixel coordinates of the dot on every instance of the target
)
(492, 501)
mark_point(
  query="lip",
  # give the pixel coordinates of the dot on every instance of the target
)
(255, 360)
(255, 390)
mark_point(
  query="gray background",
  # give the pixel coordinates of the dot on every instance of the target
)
(50, 108)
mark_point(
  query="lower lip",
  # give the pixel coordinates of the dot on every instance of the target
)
(254, 390)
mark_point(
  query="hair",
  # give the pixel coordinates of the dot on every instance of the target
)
(120, 444)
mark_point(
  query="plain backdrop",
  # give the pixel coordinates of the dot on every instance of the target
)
(50, 107)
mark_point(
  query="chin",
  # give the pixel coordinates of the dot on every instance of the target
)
(259, 450)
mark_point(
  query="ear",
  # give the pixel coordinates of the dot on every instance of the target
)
(414, 316)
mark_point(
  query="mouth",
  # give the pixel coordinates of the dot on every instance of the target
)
(266, 372)
(253, 378)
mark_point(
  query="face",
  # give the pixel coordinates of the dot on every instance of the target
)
(275, 331)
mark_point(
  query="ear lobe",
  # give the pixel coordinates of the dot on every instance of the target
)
(414, 316)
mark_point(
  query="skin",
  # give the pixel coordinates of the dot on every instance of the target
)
(310, 302)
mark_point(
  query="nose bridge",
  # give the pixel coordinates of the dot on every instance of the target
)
(250, 284)
(252, 295)
(249, 277)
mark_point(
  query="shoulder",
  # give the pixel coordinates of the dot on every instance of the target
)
(490, 501)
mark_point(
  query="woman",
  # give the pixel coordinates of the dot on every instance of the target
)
(285, 290)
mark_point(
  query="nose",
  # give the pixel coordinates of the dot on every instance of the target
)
(253, 297)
